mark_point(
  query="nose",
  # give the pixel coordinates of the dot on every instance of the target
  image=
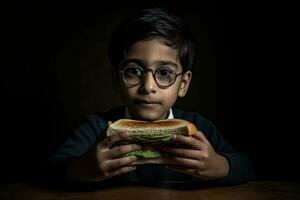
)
(148, 85)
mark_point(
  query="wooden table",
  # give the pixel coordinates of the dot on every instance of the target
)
(251, 191)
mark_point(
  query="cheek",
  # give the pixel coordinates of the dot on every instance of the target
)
(171, 96)
(128, 93)
(176, 88)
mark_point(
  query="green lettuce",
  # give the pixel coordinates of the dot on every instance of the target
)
(144, 154)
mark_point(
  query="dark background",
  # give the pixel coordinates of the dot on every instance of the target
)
(55, 71)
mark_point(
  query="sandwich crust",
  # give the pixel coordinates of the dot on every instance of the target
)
(128, 123)
(143, 127)
(192, 129)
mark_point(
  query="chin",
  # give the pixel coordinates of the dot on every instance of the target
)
(147, 116)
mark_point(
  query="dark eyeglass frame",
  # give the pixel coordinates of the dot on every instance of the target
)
(145, 71)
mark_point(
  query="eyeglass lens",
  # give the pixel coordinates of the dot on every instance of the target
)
(164, 76)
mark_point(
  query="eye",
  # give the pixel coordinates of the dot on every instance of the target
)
(165, 72)
(133, 71)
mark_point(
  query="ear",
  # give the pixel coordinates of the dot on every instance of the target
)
(185, 83)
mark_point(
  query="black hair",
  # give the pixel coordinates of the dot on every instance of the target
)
(148, 24)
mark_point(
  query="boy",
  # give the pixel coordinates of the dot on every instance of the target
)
(151, 54)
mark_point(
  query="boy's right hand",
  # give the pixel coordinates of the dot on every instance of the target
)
(109, 158)
(102, 161)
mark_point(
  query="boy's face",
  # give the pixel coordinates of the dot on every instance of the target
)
(147, 101)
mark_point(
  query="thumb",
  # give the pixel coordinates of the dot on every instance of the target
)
(200, 136)
(103, 133)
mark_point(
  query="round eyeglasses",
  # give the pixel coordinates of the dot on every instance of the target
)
(163, 76)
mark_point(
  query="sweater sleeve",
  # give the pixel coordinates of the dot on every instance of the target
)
(241, 166)
(81, 139)
(77, 144)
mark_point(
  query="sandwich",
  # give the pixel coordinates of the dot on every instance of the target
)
(150, 135)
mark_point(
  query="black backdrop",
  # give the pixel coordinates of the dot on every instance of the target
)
(55, 72)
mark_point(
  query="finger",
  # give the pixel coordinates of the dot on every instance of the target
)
(111, 140)
(200, 136)
(185, 162)
(177, 153)
(120, 171)
(194, 172)
(185, 153)
(119, 162)
(123, 149)
(181, 169)
(188, 141)
(103, 133)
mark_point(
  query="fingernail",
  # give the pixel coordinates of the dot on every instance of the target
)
(124, 135)
(174, 137)
(133, 158)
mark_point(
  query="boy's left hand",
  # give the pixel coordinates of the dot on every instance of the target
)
(195, 156)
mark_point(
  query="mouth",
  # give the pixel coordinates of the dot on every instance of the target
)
(146, 103)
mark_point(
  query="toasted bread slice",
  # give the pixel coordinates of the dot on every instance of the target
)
(160, 127)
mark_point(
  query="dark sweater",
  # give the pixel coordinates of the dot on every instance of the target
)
(241, 167)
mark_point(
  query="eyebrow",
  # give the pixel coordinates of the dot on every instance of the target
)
(166, 62)
(133, 60)
(142, 63)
